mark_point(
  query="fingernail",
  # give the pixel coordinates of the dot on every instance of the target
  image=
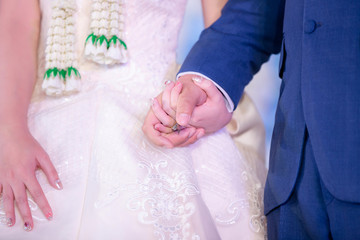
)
(27, 227)
(9, 222)
(49, 216)
(183, 119)
(177, 83)
(58, 184)
(167, 82)
(200, 135)
(197, 79)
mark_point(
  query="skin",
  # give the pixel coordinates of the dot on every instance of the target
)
(194, 104)
(212, 10)
(20, 154)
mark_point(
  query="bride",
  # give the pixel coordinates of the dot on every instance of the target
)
(75, 164)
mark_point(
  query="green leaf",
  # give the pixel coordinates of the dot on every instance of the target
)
(62, 74)
(69, 70)
(72, 69)
(55, 72)
(48, 73)
(92, 37)
(101, 40)
(114, 39)
(123, 43)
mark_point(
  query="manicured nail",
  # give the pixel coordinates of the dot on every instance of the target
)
(183, 119)
(177, 83)
(27, 227)
(9, 222)
(58, 184)
(49, 216)
(167, 82)
(200, 135)
(197, 79)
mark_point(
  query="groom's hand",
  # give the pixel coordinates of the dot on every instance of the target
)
(201, 104)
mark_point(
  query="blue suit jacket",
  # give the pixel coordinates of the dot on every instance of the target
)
(320, 67)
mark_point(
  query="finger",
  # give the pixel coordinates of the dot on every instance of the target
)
(22, 204)
(166, 100)
(209, 87)
(165, 119)
(189, 98)
(8, 201)
(175, 92)
(200, 132)
(159, 140)
(152, 134)
(46, 165)
(179, 137)
(39, 197)
(162, 129)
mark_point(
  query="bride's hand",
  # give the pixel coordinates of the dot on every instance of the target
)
(159, 124)
(20, 156)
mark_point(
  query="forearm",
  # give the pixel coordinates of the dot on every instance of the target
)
(20, 28)
(212, 10)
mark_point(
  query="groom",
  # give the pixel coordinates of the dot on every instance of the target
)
(313, 185)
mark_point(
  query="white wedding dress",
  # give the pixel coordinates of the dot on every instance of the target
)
(117, 185)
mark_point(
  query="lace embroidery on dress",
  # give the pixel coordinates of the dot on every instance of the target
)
(162, 195)
(233, 211)
(237, 190)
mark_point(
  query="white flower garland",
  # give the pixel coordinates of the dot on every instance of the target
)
(61, 76)
(104, 45)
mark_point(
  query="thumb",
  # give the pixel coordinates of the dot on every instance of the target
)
(190, 97)
(208, 87)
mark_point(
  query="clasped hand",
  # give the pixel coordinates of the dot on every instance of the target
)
(194, 103)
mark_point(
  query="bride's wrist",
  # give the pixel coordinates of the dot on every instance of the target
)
(13, 124)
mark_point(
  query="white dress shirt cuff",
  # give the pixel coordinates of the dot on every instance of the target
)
(229, 103)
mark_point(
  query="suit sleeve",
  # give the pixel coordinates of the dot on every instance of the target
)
(233, 49)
